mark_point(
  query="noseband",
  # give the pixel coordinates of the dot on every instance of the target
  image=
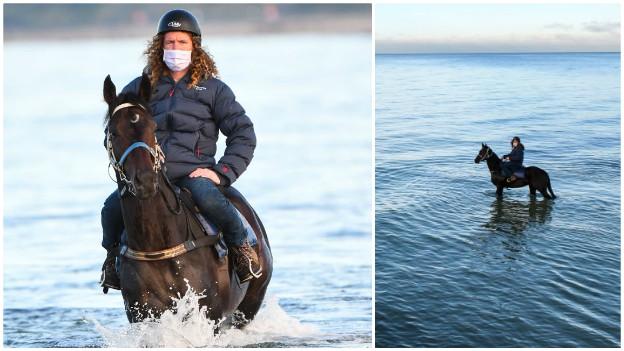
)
(156, 153)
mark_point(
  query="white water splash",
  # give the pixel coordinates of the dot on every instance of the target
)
(186, 325)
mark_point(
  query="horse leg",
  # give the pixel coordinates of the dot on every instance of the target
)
(532, 190)
(545, 193)
(254, 296)
(253, 301)
(499, 191)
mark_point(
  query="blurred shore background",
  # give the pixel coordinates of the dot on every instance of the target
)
(302, 73)
(82, 21)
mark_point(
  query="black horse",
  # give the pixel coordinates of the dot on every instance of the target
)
(536, 178)
(161, 260)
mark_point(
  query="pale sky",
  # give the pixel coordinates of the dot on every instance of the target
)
(446, 28)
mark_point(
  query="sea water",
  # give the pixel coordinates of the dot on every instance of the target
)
(310, 181)
(456, 267)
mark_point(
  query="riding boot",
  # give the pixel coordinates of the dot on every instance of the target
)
(109, 278)
(246, 262)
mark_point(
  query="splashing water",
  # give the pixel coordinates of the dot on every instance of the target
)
(187, 325)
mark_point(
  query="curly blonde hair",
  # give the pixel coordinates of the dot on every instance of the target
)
(202, 65)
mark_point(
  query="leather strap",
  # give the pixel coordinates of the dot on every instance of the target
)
(172, 252)
(125, 105)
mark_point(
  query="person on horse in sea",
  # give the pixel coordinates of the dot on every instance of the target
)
(190, 106)
(512, 162)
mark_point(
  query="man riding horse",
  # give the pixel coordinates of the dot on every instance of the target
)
(190, 106)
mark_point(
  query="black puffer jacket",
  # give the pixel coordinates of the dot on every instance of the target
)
(189, 121)
(516, 156)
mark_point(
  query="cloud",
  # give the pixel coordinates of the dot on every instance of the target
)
(560, 42)
(602, 27)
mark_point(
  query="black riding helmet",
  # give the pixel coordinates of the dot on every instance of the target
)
(178, 20)
(515, 139)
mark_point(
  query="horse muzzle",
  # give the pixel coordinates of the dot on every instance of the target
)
(146, 185)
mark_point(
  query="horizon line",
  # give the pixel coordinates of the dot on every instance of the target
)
(496, 52)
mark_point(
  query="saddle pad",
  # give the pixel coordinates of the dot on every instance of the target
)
(520, 173)
(210, 228)
(221, 247)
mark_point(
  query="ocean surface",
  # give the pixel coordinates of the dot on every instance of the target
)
(309, 97)
(455, 267)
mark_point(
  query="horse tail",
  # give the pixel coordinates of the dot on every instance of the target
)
(550, 187)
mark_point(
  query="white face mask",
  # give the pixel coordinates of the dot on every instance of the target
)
(177, 60)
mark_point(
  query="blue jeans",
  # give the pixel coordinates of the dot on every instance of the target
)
(509, 168)
(210, 201)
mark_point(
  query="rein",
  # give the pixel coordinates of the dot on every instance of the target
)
(487, 156)
(156, 153)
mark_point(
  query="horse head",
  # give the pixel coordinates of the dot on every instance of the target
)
(484, 153)
(131, 140)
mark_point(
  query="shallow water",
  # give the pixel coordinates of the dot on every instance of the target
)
(310, 181)
(455, 267)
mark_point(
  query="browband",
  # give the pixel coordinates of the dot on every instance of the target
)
(124, 105)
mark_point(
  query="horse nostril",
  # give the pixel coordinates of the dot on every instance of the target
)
(145, 179)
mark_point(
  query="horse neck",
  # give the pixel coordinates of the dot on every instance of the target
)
(150, 224)
(493, 162)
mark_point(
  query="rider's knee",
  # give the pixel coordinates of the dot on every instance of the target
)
(112, 206)
(207, 195)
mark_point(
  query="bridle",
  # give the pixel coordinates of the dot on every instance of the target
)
(487, 155)
(156, 153)
(158, 156)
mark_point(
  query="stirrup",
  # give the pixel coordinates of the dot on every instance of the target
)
(113, 281)
(257, 274)
(106, 285)
(251, 273)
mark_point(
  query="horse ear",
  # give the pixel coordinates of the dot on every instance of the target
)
(110, 92)
(482, 145)
(145, 90)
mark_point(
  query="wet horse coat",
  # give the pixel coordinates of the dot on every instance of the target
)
(536, 178)
(155, 220)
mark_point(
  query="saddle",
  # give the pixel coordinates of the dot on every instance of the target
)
(202, 232)
(520, 173)
(200, 226)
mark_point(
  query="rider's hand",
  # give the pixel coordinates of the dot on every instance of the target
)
(206, 173)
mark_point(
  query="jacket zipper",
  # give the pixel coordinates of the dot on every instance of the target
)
(197, 153)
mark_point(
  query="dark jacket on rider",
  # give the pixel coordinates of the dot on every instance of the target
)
(516, 157)
(188, 124)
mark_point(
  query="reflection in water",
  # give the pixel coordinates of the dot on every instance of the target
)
(514, 217)
(510, 219)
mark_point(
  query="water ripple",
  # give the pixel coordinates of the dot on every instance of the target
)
(456, 267)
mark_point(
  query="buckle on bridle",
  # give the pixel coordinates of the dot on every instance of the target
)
(156, 153)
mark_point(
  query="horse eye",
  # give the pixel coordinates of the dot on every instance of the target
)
(135, 118)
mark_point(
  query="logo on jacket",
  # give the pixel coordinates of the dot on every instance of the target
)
(197, 87)
(174, 24)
